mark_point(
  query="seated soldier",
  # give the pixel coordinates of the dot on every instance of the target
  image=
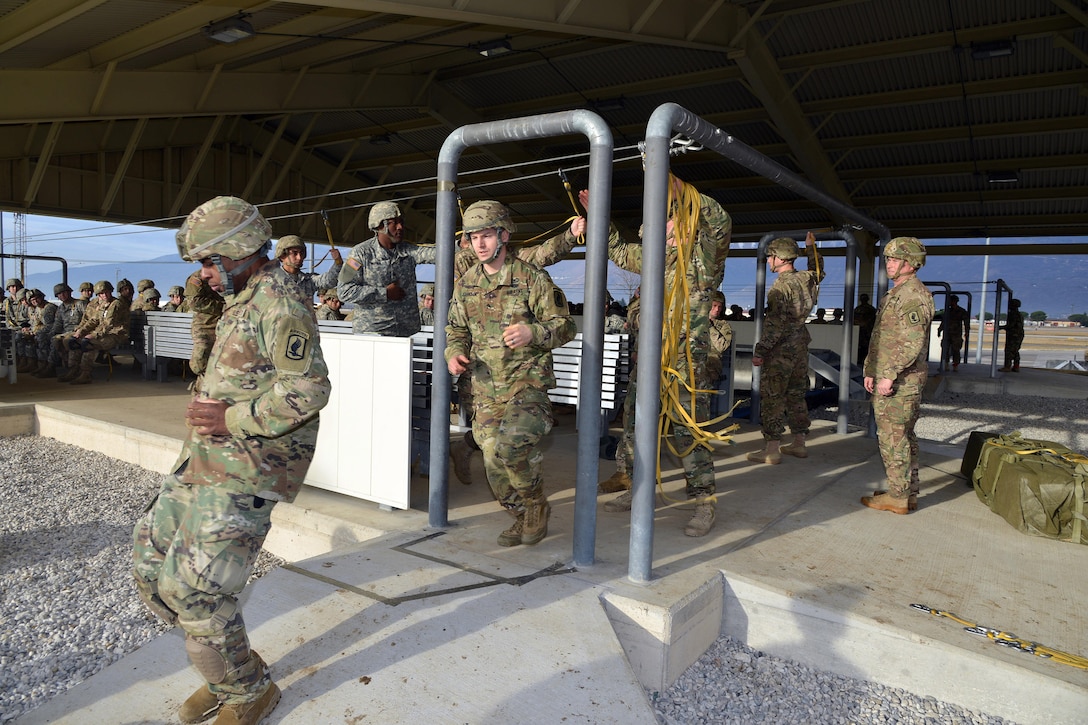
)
(104, 327)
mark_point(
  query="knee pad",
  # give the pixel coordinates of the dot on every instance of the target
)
(211, 662)
(149, 593)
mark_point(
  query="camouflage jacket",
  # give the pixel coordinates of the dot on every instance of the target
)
(540, 255)
(69, 316)
(313, 282)
(171, 307)
(865, 316)
(369, 269)
(267, 365)
(954, 322)
(206, 305)
(790, 299)
(43, 321)
(101, 319)
(324, 312)
(1014, 325)
(484, 305)
(900, 342)
(426, 317)
(704, 274)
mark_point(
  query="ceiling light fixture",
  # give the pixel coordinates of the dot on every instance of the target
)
(609, 104)
(1003, 177)
(493, 47)
(381, 139)
(230, 30)
(993, 49)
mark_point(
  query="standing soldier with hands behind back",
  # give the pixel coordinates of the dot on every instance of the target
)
(252, 432)
(505, 318)
(896, 370)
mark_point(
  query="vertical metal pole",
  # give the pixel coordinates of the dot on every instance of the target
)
(982, 307)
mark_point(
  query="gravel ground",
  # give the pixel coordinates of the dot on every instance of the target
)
(68, 607)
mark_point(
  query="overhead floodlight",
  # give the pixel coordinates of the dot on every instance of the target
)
(230, 30)
(493, 47)
(609, 104)
(993, 49)
(1003, 177)
(381, 139)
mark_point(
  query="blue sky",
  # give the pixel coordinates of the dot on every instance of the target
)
(86, 244)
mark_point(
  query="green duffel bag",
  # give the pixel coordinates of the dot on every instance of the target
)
(1037, 486)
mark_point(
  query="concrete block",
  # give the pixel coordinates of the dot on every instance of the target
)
(16, 420)
(663, 631)
(152, 451)
(851, 645)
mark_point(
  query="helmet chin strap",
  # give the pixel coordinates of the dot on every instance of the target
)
(498, 247)
(228, 277)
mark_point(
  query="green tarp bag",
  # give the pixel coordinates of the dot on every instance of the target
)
(1037, 486)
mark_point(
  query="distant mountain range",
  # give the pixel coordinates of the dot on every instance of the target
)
(1056, 285)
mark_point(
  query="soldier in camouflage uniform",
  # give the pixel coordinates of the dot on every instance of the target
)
(896, 370)
(291, 253)
(426, 307)
(380, 276)
(86, 292)
(782, 351)
(105, 325)
(954, 325)
(703, 277)
(150, 299)
(331, 309)
(721, 337)
(68, 318)
(206, 305)
(253, 429)
(864, 318)
(506, 316)
(126, 293)
(540, 255)
(1014, 337)
(12, 314)
(139, 302)
(45, 316)
(177, 299)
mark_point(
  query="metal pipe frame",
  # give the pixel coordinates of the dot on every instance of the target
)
(63, 262)
(846, 360)
(665, 120)
(592, 360)
(997, 323)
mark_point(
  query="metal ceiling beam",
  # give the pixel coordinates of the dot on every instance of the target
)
(32, 19)
(122, 166)
(41, 164)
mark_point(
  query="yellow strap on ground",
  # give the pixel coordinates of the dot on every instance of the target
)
(1007, 639)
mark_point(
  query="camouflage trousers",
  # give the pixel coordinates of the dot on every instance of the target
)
(508, 433)
(955, 346)
(1012, 350)
(193, 553)
(698, 464)
(783, 382)
(896, 415)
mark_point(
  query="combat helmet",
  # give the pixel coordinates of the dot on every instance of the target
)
(380, 212)
(719, 297)
(150, 294)
(32, 293)
(103, 285)
(13, 282)
(225, 226)
(177, 290)
(909, 249)
(487, 215)
(144, 284)
(427, 290)
(86, 286)
(783, 248)
(60, 287)
(290, 241)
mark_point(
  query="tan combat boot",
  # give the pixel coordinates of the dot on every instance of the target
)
(796, 449)
(461, 455)
(886, 502)
(620, 503)
(23, 364)
(49, 371)
(618, 481)
(83, 378)
(250, 713)
(200, 706)
(770, 454)
(703, 519)
(512, 535)
(537, 512)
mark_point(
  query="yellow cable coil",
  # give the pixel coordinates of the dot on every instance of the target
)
(676, 326)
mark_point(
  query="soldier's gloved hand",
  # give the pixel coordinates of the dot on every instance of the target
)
(394, 292)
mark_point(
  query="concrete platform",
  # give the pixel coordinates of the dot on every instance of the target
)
(380, 619)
